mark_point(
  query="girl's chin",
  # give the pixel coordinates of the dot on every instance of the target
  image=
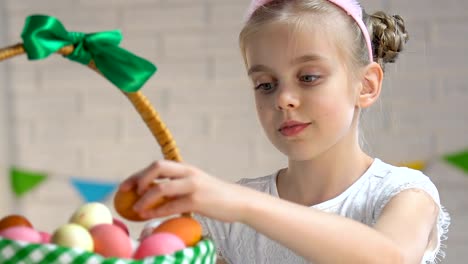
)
(299, 154)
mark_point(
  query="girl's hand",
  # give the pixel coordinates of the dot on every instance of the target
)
(189, 190)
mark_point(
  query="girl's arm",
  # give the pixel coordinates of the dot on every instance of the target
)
(400, 235)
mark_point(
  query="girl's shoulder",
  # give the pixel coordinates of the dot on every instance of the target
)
(393, 180)
(387, 171)
(386, 181)
(265, 184)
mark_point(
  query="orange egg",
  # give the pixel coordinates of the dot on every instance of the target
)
(14, 220)
(124, 201)
(185, 227)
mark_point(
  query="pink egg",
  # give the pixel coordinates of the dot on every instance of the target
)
(159, 244)
(111, 241)
(22, 233)
(45, 237)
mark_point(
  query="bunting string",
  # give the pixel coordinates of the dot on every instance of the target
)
(94, 189)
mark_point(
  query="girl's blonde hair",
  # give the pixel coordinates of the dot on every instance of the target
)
(388, 33)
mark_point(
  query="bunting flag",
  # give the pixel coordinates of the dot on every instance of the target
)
(92, 190)
(417, 164)
(459, 160)
(23, 181)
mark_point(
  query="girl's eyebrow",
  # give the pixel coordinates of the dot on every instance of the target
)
(258, 68)
(305, 58)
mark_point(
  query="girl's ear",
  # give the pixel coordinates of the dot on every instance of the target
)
(371, 85)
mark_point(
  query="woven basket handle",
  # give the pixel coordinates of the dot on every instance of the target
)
(139, 101)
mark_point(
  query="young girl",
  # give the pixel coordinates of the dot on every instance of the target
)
(314, 66)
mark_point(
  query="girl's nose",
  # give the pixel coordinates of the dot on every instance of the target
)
(287, 99)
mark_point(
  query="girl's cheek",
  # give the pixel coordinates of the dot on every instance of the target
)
(325, 107)
(261, 102)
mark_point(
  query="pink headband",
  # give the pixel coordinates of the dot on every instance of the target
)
(351, 7)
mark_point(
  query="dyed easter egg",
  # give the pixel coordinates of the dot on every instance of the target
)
(124, 201)
(159, 244)
(14, 220)
(22, 233)
(73, 236)
(187, 228)
(91, 214)
(111, 241)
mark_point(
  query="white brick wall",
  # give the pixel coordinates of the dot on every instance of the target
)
(69, 121)
(6, 197)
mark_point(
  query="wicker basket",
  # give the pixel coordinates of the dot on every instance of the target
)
(15, 252)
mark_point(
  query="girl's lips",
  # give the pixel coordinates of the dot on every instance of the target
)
(293, 129)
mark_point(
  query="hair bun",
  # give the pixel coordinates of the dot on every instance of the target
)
(388, 36)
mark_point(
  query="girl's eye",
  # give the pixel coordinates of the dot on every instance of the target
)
(308, 78)
(265, 87)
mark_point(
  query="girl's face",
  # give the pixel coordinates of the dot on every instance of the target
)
(305, 98)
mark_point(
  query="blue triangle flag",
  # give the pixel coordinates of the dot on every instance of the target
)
(93, 191)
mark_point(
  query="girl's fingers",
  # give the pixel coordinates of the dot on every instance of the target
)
(129, 183)
(133, 180)
(173, 188)
(152, 196)
(177, 206)
(160, 169)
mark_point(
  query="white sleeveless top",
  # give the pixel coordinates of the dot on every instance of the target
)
(363, 201)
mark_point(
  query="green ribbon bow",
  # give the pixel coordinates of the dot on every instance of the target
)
(44, 35)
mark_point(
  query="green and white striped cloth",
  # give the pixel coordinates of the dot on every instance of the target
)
(18, 252)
